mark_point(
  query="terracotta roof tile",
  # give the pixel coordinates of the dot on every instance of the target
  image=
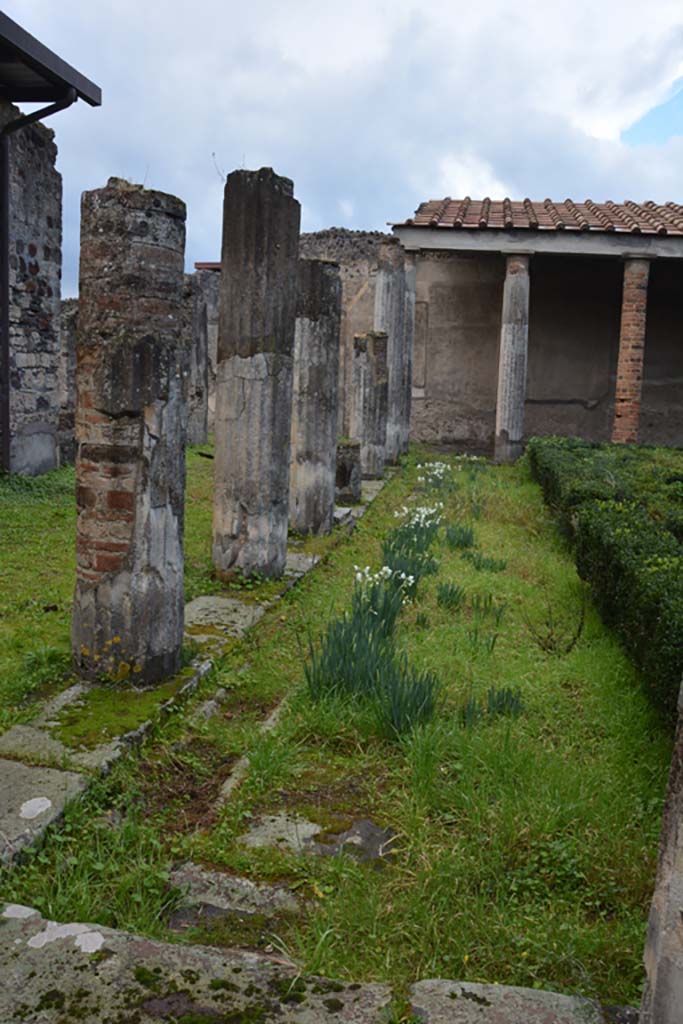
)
(505, 214)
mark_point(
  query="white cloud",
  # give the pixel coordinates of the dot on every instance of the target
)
(383, 103)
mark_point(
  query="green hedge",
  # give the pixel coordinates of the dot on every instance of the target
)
(624, 507)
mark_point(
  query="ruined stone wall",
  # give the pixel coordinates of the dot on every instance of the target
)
(357, 254)
(35, 275)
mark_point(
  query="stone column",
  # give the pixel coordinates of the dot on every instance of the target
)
(409, 327)
(209, 282)
(196, 348)
(371, 391)
(130, 434)
(390, 318)
(514, 336)
(254, 377)
(631, 352)
(68, 325)
(663, 993)
(315, 397)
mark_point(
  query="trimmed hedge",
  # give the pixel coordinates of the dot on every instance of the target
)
(624, 507)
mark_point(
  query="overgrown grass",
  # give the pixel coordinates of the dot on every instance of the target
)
(526, 844)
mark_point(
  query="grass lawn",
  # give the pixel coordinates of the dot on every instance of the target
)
(526, 844)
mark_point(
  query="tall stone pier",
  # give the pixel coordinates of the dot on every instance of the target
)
(629, 386)
(663, 993)
(371, 391)
(254, 374)
(408, 342)
(390, 312)
(196, 349)
(130, 435)
(512, 360)
(315, 397)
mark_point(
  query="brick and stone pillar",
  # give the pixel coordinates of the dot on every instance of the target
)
(209, 282)
(254, 377)
(315, 397)
(631, 352)
(663, 993)
(390, 318)
(371, 392)
(512, 360)
(130, 434)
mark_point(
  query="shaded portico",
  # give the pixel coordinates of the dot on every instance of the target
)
(540, 317)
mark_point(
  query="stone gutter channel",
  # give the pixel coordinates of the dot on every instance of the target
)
(54, 973)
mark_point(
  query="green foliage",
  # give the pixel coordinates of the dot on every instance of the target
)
(405, 698)
(484, 563)
(406, 550)
(450, 595)
(501, 701)
(459, 535)
(623, 506)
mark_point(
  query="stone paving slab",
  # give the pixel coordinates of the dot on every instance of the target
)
(51, 974)
(227, 614)
(455, 1002)
(31, 798)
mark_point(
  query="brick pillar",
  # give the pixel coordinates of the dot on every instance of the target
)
(514, 336)
(631, 352)
(130, 434)
(663, 992)
(254, 377)
(371, 392)
(390, 319)
(315, 401)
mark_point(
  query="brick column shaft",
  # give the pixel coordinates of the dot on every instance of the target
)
(131, 420)
(254, 375)
(631, 352)
(315, 397)
(512, 360)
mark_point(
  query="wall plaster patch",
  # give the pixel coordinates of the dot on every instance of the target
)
(31, 809)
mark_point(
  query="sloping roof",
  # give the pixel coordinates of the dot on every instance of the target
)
(506, 214)
(31, 73)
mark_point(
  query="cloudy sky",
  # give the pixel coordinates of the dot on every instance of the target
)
(370, 106)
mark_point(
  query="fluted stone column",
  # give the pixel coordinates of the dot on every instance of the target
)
(254, 375)
(315, 397)
(409, 338)
(196, 346)
(371, 392)
(130, 434)
(390, 310)
(512, 361)
(663, 994)
(629, 385)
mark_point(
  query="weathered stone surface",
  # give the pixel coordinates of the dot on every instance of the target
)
(363, 840)
(371, 391)
(663, 994)
(68, 325)
(195, 349)
(406, 384)
(226, 614)
(315, 397)
(512, 361)
(99, 976)
(209, 283)
(35, 266)
(254, 379)
(455, 1002)
(299, 563)
(31, 744)
(390, 317)
(356, 252)
(348, 479)
(204, 888)
(130, 428)
(630, 363)
(31, 798)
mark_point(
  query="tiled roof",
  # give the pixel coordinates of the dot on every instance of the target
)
(504, 214)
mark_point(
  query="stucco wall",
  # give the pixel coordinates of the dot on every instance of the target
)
(574, 316)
